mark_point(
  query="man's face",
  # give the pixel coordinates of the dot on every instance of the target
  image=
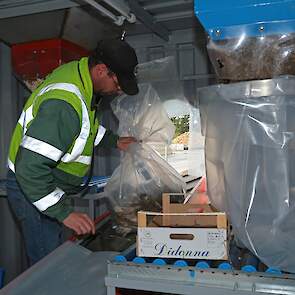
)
(104, 81)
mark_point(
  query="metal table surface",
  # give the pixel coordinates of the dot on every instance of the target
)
(69, 270)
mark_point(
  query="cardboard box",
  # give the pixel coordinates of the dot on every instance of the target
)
(181, 232)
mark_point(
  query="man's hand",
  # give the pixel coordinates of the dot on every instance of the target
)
(80, 223)
(123, 142)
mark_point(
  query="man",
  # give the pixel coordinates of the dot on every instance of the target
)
(52, 145)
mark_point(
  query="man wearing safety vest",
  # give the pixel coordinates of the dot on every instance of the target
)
(52, 145)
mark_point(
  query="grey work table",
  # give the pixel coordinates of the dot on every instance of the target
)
(69, 270)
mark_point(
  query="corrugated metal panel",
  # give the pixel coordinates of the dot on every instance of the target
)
(12, 97)
(12, 8)
(189, 48)
(155, 52)
(81, 25)
(12, 251)
(6, 105)
(168, 9)
(86, 27)
(186, 59)
(31, 27)
(10, 104)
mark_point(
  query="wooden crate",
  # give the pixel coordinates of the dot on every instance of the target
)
(182, 232)
(208, 216)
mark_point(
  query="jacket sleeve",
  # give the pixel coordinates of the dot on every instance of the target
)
(109, 140)
(105, 138)
(50, 135)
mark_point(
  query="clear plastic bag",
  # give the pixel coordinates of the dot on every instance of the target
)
(249, 130)
(162, 74)
(196, 157)
(249, 57)
(143, 175)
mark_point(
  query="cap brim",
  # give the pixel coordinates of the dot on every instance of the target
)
(128, 84)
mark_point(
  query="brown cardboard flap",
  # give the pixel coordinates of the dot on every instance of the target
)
(173, 203)
(207, 221)
(156, 221)
(188, 208)
(192, 220)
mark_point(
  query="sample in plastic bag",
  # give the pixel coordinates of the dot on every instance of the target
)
(249, 130)
(250, 58)
(143, 175)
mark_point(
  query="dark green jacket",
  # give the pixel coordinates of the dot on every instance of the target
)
(56, 123)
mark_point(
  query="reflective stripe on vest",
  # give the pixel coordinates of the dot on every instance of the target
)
(84, 160)
(80, 142)
(41, 148)
(100, 133)
(49, 200)
(25, 118)
(10, 165)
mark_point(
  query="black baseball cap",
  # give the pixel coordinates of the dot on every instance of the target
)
(121, 59)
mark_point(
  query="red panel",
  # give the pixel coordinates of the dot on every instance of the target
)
(38, 58)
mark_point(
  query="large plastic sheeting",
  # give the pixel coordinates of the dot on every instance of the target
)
(143, 175)
(249, 130)
(196, 159)
(162, 74)
(248, 57)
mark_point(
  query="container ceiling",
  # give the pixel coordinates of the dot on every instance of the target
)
(79, 22)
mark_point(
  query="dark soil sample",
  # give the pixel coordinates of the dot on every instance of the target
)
(253, 58)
